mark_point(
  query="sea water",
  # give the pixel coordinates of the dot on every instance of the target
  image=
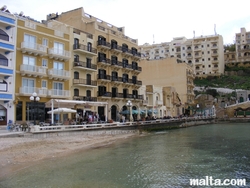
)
(159, 159)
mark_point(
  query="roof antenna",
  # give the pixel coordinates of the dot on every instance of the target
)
(215, 29)
(153, 38)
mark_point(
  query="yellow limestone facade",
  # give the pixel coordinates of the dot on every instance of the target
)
(113, 59)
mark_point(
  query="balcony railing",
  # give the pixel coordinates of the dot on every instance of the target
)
(116, 47)
(61, 74)
(103, 94)
(117, 95)
(30, 90)
(84, 65)
(59, 54)
(105, 61)
(103, 76)
(116, 79)
(104, 44)
(85, 98)
(145, 102)
(58, 93)
(116, 63)
(85, 49)
(85, 82)
(34, 48)
(32, 70)
(159, 102)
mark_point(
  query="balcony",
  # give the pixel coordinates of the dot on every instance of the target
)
(59, 54)
(84, 82)
(28, 91)
(189, 50)
(137, 69)
(215, 69)
(197, 49)
(215, 61)
(117, 95)
(214, 47)
(214, 54)
(33, 48)
(58, 74)
(159, 102)
(145, 102)
(135, 97)
(116, 49)
(103, 78)
(84, 66)
(58, 93)
(104, 94)
(103, 45)
(87, 50)
(127, 52)
(103, 62)
(85, 98)
(136, 56)
(189, 57)
(197, 56)
(116, 65)
(31, 70)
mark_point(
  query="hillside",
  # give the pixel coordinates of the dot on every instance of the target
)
(234, 78)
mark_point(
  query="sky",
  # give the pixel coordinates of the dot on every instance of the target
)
(151, 21)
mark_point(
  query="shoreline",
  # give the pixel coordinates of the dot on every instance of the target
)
(22, 152)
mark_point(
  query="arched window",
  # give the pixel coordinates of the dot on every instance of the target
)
(76, 75)
(124, 47)
(76, 92)
(3, 35)
(3, 60)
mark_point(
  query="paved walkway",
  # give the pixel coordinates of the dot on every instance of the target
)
(5, 133)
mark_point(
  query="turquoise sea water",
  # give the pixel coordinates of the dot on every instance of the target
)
(160, 159)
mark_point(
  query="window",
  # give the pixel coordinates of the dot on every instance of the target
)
(45, 63)
(125, 78)
(3, 85)
(3, 35)
(88, 62)
(45, 42)
(209, 65)
(44, 83)
(76, 92)
(30, 41)
(58, 48)
(58, 65)
(76, 75)
(58, 86)
(3, 60)
(208, 59)
(28, 85)
(28, 60)
(208, 45)
(172, 49)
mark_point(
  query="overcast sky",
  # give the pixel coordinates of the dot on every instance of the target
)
(151, 20)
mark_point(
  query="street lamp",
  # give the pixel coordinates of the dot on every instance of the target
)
(35, 99)
(213, 110)
(197, 106)
(129, 104)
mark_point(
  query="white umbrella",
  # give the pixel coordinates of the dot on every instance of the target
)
(62, 111)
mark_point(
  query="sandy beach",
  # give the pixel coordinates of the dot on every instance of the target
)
(18, 152)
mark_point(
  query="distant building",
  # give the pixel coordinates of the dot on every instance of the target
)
(205, 53)
(170, 72)
(242, 42)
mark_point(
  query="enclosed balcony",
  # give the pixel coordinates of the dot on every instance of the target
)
(85, 66)
(84, 82)
(28, 91)
(58, 74)
(87, 50)
(58, 93)
(31, 70)
(59, 54)
(33, 48)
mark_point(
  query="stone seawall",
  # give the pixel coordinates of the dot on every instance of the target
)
(135, 127)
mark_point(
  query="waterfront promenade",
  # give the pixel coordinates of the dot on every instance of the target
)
(109, 128)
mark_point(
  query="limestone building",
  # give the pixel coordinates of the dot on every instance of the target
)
(7, 64)
(108, 61)
(171, 72)
(206, 53)
(42, 66)
(242, 41)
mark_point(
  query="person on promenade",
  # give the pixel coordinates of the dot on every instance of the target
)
(123, 119)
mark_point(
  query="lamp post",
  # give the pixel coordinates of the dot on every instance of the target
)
(129, 104)
(197, 106)
(35, 99)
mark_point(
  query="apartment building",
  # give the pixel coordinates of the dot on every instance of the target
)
(113, 58)
(170, 72)
(42, 66)
(242, 42)
(206, 53)
(7, 64)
